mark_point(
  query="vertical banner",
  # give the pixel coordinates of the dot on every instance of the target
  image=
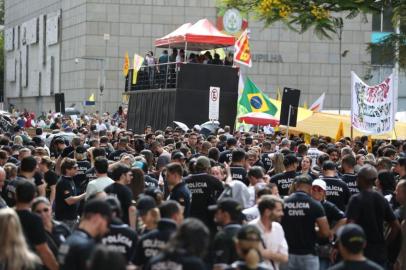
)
(373, 107)
(214, 103)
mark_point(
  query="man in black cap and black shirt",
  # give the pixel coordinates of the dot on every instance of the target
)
(226, 155)
(351, 243)
(152, 243)
(205, 190)
(121, 148)
(284, 180)
(301, 213)
(370, 210)
(67, 197)
(229, 216)
(337, 190)
(120, 236)
(76, 251)
(237, 169)
(266, 155)
(349, 176)
(177, 188)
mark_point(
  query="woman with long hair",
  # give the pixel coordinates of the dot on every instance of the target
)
(306, 165)
(278, 167)
(56, 232)
(46, 166)
(14, 252)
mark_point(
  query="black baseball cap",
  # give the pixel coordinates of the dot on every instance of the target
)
(304, 179)
(144, 204)
(249, 233)
(230, 206)
(352, 237)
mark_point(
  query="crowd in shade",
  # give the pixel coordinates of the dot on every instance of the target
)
(84, 192)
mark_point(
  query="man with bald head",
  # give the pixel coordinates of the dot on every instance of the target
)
(3, 203)
(370, 210)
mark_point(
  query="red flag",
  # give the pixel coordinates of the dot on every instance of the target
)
(242, 53)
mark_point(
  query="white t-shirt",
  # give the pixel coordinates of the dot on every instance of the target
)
(98, 185)
(274, 240)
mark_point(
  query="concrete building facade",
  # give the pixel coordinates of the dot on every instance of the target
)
(48, 58)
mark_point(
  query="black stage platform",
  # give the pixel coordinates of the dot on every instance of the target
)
(188, 101)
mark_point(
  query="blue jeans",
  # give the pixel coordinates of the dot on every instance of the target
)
(301, 262)
(324, 263)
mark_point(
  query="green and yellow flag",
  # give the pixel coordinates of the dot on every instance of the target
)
(253, 100)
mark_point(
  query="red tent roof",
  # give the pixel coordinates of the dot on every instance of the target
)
(203, 35)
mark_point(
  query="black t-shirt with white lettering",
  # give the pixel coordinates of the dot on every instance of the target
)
(284, 181)
(121, 238)
(124, 195)
(80, 177)
(333, 214)
(356, 265)
(225, 156)
(239, 173)
(370, 210)
(205, 190)
(267, 161)
(115, 156)
(152, 243)
(337, 192)
(182, 195)
(298, 222)
(351, 181)
(90, 175)
(175, 260)
(150, 182)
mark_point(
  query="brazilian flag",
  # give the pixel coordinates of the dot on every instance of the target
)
(253, 100)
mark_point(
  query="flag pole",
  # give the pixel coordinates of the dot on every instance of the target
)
(287, 129)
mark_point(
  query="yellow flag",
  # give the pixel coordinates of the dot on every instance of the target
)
(307, 138)
(278, 94)
(305, 105)
(370, 144)
(138, 61)
(340, 131)
(126, 65)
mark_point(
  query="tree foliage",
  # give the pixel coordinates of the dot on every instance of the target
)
(325, 17)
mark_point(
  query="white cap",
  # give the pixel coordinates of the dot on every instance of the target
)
(320, 183)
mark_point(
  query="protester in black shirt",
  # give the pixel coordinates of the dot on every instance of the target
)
(120, 237)
(32, 224)
(351, 242)
(67, 197)
(370, 210)
(152, 243)
(238, 171)
(50, 177)
(75, 252)
(335, 218)
(301, 214)
(56, 232)
(226, 155)
(284, 180)
(122, 176)
(266, 155)
(80, 178)
(185, 250)
(105, 258)
(205, 190)
(337, 190)
(229, 216)
(121, 148)
(178, 189)
(349, 176)
(27, 171)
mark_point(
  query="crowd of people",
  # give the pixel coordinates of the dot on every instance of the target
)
(108, 198)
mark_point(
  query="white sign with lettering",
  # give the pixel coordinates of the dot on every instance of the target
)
(214, 103)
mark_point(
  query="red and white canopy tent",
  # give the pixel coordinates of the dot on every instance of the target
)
(202, 35)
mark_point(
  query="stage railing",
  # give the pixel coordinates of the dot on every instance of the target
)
(159, 76)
